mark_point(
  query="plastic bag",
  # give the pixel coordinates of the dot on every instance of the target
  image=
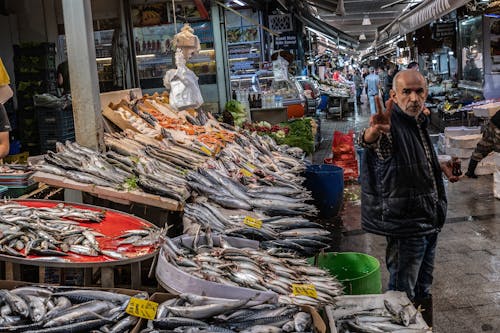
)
(183, 84)
(52, 102)
(280, 69)
(343, 143)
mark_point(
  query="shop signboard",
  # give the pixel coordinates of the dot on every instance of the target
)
(286, 41)
(441, 30)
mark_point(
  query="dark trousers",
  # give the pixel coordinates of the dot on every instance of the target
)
(410, 262)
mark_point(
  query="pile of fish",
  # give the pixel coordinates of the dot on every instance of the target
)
(296, 234)
(272, 270)
(54, 233)
(127, 165)
(45, 309)
(197, 314)
(377, 317)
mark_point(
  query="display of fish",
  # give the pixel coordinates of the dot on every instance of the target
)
(271, 270)
(56, 233)
(390, 317)
(45, 309)
(192, 313)
(295, 234)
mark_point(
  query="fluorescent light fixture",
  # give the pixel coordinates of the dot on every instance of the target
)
(239, 2)
(103, 59)
(342, 47)
(434, 61)
(451, 53)
(362, 37)
(366, 21)
(146, 56)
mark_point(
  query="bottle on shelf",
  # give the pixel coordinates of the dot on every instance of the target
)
(233, 96)
(259, 101)
(250, 104)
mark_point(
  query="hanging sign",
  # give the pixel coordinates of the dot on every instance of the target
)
(285, 41)
(442, 30)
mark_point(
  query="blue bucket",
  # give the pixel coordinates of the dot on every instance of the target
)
(326, 182)
(324, 102)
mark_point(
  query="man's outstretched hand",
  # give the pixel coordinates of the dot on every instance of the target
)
(380, 122)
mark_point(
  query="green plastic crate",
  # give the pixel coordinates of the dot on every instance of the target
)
(17, 191)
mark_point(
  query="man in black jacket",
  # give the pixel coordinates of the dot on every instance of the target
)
(403, 195)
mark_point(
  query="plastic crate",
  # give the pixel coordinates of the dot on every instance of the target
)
(35, 49)
(17, 191)
(3, 190)
(49, 143)
(34, 64)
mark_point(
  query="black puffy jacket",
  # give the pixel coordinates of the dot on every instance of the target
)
(398, 197)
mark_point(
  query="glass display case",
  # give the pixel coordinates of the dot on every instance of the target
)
(155, 55)
(471, 43)
(263, 83)
(243, 43)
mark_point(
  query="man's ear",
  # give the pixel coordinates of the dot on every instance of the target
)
(392, 94)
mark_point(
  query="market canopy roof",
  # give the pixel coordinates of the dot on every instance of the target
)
(418, 17)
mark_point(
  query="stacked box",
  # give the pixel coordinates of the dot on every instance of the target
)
(461, 141)
(35, 72)
(55, 125)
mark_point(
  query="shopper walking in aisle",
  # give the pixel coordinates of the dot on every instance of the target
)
(403, 195)
(388, 83)
(489, 142)
(5, 94)
(358, 83)
(372, 83)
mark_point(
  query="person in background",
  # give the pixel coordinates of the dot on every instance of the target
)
(413, 66)
(358, 83)
(388, 83)
(5, 94)
(488, 143)
(402, 190)
(382, 75)
(63, 78)
(372, 84)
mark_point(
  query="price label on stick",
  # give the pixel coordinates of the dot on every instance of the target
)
(206, 150)
(252, 222)
(142, 308)
(304, 289)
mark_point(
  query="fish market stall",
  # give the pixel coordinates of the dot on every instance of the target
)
(54, 234)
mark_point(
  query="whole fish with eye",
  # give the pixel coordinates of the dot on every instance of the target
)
(185, 314)
(52, 309)
(55, 233)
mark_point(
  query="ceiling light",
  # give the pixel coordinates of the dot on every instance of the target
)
(239, 2)
(362, 37)
(366, 20)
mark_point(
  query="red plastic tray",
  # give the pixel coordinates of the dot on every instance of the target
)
(112, 226)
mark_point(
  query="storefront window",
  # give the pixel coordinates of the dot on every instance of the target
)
(471, 42)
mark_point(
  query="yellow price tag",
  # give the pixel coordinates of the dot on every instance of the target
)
(251, 166)
(206, 150)
(304, 289)
(142, 308)
(252, 222)
(246, 173)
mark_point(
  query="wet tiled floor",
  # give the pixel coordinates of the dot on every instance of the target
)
(466, 289)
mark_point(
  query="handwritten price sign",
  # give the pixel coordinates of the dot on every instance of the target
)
(304, 289)
(142, 308)
(252, 222)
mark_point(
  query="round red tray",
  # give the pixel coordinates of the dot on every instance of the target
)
(114, 224)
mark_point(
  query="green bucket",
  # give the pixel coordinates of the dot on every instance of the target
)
(358, 272)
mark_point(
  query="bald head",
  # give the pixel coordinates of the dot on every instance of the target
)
(406, 74)
(409, 92)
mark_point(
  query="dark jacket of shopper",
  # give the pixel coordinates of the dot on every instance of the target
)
(399, 198)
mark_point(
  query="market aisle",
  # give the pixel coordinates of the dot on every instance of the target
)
(467, 273)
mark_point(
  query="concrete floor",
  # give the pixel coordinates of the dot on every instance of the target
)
(466, 289)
